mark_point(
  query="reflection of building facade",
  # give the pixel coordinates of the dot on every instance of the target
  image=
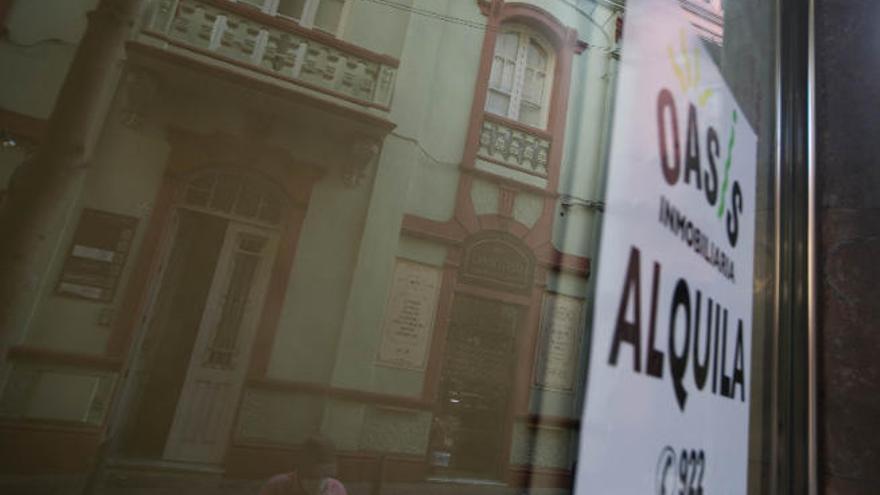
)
(707, 16)
(366, 218)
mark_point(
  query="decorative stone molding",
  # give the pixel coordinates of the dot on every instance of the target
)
(363, 154)
(567, 202)
(141, 88)
(277, 46)
(514, 147)
(397, 430)
(29, 385)
(490, 8)
(498, 260)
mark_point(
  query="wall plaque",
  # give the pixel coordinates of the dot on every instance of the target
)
(409, 315)
(560, 342)
(97, 254)
(498, 260)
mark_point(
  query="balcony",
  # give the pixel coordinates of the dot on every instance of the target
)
(514, 146)
(275, 46)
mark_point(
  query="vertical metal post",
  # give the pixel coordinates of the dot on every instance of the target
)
(812, 235)
(795, 440)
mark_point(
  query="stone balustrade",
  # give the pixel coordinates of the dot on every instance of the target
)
(277, 46)
(514, 145)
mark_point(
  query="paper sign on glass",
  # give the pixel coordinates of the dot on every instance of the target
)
(667, 407)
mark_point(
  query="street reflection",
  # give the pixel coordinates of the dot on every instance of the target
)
(311, 246)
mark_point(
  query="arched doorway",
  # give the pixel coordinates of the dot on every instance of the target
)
(472, 423)
(205, 304)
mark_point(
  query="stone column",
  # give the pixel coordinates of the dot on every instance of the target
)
(44, 191)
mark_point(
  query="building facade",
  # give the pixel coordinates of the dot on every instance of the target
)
(377, 221)
(297, 222)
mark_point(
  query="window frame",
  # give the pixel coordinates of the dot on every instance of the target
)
(525, 36)
(309, 13)
(566, 46)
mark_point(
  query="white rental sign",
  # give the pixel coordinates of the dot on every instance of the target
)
(667, 406)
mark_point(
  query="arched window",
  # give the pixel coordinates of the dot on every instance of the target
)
(522, 76)
(234, 195)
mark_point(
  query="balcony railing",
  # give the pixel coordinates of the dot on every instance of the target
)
(277, 46)
(514, 145)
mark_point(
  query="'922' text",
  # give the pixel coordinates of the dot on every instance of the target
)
(680, 474)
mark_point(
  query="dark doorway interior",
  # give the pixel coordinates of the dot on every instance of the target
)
(174, 325)
(476, 385)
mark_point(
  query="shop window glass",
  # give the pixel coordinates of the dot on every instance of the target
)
(397, 293)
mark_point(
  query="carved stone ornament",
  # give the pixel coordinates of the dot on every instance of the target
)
(499, 261)
(363, 153)
(490, 8)
(141, 88)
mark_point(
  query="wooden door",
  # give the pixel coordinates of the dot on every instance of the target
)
(218, 364)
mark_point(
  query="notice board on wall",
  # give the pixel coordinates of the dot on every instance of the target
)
(559, 345)
(97, 254)
(667, 404)
(409, 315)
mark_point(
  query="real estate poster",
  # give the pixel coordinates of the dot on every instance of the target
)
(667, 405)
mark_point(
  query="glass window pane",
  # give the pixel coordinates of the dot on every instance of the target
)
(507, 45)
(255, 3)
(225, 193)
(536, 56)
(270, 210)
(530, 114)
(328, 15)
(234, 302)
(291, 8)
(497, 103)
(248, 202)
(497, 70)
(519, 70)
(302, 260)
(533, 86)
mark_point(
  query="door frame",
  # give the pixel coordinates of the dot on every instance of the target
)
(530, 296)
(190, 154)
(220, 281)
(524, 343)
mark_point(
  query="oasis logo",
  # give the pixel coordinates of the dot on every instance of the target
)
(700, 174)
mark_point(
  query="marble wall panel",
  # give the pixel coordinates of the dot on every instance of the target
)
(848, 181)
